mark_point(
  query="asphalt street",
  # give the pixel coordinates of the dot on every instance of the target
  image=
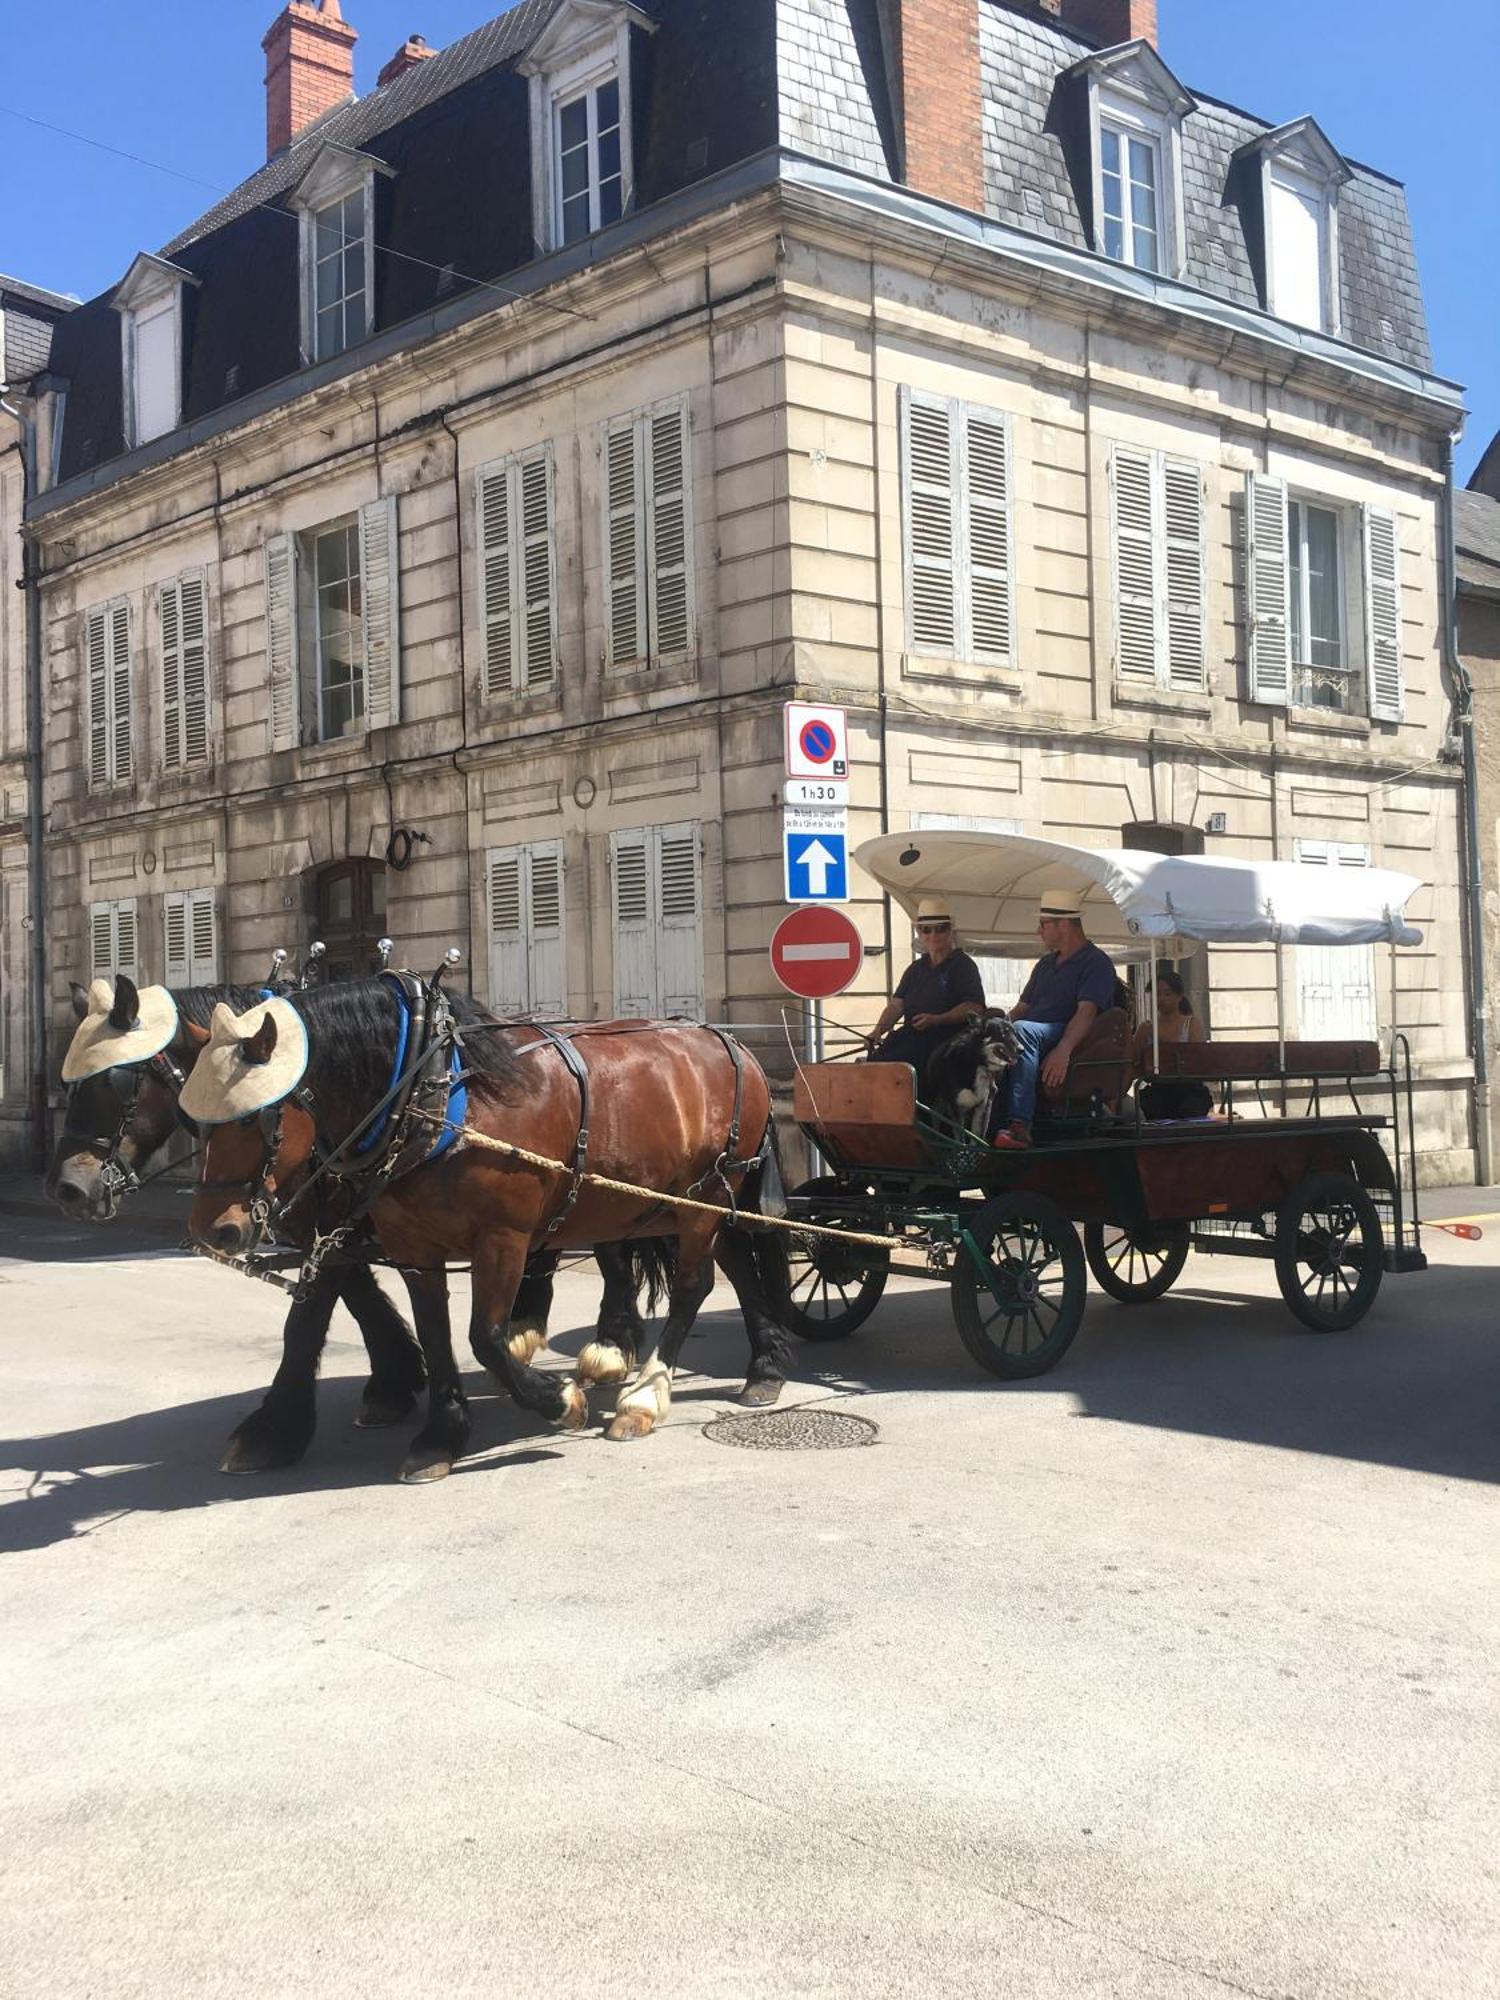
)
(1171, 1673)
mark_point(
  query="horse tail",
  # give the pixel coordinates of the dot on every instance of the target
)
(652, 1262)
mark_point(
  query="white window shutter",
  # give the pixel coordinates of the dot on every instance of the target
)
(1383, 614)
(193, 600)
(986, 468)
(96, 670)
(505, 890)
(631, 856)
(496, 598)
(380, 578)
(1267, 584)
(1131, 493)
(931, 565)
(535, 508)
(624, 543)
(680, 950)
(548, 975)
(126, 960)
(119, 690)
(281, 641)
(178, 951)
(169, 611)
(668, 534)
(1182, 513)
(202, 938)
(101, 940)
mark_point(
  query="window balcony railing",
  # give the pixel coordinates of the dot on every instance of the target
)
(1339, 690)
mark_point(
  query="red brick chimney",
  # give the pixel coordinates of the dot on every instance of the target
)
(412, 51)
(936, 62)
(309, 67)
(1108, 22)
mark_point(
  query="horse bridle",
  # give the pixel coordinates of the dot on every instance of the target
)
(117, 1177)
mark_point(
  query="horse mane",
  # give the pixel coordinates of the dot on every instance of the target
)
(197, 1003)
(352, 1027)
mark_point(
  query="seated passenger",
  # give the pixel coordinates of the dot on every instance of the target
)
(937, 993)
(1170, 1097)
(1068, 989)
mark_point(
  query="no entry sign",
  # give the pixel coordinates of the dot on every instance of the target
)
(816, 952)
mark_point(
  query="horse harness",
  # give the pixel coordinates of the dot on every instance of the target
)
(115, 1176)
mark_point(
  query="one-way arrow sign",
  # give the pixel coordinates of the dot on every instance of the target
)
(817, 867)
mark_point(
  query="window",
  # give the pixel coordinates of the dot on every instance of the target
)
(333, 628)
(107, 686)
(112, 940)
(658, 922)
(190, 935)
(340, 314)
(590, 182)
(579, 67)
(518, 573)
(1130, 186)
(1300, 176)
(648, 537)
(960, 587)
(524, 887)
(1157, 505)
(1336, 983)
(1316, 638)
(184, 671)
(150, 305)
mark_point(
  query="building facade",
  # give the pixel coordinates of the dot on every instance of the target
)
(1477, 579)
(442, 521)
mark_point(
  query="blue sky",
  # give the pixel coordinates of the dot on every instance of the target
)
(1406, 88)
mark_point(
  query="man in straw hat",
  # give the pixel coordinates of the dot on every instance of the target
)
(1070, 986)
(937, 993)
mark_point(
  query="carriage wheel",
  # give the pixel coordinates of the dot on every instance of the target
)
(1135, 1265)
(1018, 1315)
(1330, 1256)
(830, 1288)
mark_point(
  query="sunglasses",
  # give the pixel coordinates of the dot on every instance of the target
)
(926, 930)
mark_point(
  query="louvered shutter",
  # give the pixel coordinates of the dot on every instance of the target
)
(987, 498)
(175, 928)
(680, 953)
(508, 982)
(96, 647)
(538, 569)
(931, 584)
(496, 605)
(1135, 565)
(668, 534)
(1182, 513)
(281, 641)
(547, 974)
(184, 672)
(1267, 587)
(380, 580)
(203, 939)
(119, 690)
(169, 608)
(1383, 614)
(624, 543)
(634, 933)
(125, 940)
(112, 940)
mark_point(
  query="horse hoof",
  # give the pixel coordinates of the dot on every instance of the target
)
(423, 1467)
(574, 1413)
(759, 1395)
(250, 1453)
(602, 1361)
(631, 1424)
(379, 1412)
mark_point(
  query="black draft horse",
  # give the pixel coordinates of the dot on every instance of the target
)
(665, 1100)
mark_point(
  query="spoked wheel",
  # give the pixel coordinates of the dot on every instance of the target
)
(1135, 1265)
(1018, 1311)
(830, 1287)
(1329, 1253)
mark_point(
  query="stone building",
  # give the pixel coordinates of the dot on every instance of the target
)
(442, 520)
(1477, 578)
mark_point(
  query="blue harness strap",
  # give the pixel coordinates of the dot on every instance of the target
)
(458, 1089)
(458, 1107)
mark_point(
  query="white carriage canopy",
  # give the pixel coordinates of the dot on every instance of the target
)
(1136, 903)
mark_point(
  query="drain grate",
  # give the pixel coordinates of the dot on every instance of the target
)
(793, 1430)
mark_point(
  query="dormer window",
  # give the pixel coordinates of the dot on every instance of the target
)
(336, 202)
(581, 166)
(1300, 176)
(1136, 109)
(149, 303)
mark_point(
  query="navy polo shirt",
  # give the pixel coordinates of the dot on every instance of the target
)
(1057, 985)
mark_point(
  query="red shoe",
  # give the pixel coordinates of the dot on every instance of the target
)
(1015, 1140)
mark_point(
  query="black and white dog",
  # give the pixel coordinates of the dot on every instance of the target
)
(964, 1072)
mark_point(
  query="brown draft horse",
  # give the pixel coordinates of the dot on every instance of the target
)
(117, 1122)
(662, 1098)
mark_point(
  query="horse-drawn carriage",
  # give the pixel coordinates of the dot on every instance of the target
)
(1307, 1159)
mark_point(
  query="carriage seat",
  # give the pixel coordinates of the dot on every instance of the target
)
(1236, 1062)
(1100, 1066)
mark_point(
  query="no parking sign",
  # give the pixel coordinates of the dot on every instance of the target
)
(817, 741)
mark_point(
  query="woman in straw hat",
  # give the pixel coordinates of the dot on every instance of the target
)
(937, 993)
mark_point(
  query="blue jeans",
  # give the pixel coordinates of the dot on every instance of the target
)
(1018, 1099)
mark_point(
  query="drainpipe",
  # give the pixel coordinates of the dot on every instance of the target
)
(1473, 850)
(36, 880)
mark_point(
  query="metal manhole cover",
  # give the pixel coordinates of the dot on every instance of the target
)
(793, 1430)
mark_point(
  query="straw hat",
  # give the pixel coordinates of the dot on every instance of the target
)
(251, 1060)
(1060, 903)
(121, 1024)
(934, 910)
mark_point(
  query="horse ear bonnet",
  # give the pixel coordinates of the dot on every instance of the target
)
(252, 1060)
(120, 1025)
